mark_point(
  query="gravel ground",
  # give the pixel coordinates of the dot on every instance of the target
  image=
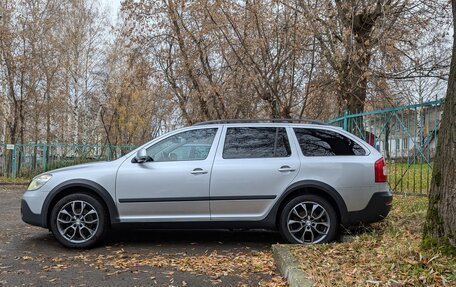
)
(29, 256)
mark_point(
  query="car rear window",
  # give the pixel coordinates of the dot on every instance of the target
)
(318, 142)
(256, 142)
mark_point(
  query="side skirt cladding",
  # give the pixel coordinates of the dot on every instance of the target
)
(269, 222)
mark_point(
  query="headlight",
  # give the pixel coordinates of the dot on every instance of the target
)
(39, 181)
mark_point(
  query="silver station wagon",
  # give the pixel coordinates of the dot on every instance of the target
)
(303, 179)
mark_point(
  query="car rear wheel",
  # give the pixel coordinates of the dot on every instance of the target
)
(78, 221)
(308, 219)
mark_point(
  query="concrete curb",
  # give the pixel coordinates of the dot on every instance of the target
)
(289, 268)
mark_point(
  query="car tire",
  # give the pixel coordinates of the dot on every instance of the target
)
(308, 219)
(79, 220)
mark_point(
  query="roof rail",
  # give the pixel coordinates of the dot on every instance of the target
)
(262, 120)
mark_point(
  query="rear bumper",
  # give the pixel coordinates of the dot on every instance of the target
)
(377, 209)
(29, 217)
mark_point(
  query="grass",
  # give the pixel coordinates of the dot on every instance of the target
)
(19, 180)
(413, 178)
(387, 253)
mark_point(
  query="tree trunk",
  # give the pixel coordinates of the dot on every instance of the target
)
(353, 87)
(353, 73)
(440, 225)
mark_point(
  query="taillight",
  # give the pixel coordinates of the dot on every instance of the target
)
(380, 170)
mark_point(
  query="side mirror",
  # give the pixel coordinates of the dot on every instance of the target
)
(141, 157)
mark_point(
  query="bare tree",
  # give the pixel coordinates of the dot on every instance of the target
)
(366, 42)
(66, 76)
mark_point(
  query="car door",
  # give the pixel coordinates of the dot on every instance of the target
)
(175, 185)
(253, 165)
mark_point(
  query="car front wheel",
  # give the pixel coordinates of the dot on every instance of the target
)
(78, 221)
(308, 219)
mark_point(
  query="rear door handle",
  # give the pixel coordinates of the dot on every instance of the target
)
(286, 168)
(198, 171)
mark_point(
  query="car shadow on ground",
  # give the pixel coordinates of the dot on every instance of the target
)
(185, 237)
(182, 238)
(172, 238)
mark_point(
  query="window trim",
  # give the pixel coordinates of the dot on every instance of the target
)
(225, 131)
(341, 132)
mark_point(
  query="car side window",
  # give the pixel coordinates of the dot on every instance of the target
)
(319, 142)
(184, 146)
(256, 142)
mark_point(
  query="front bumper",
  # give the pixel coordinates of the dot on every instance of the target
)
(29, 217)
(32, 207)
(377, 209)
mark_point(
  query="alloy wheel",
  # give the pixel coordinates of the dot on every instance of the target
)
(308, 222)
(77, 221)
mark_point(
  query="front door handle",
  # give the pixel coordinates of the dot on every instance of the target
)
(286, 168)
(198, 171)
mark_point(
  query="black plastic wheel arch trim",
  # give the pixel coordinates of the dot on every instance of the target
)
(377, 209)
(323, 187)
(84, 183)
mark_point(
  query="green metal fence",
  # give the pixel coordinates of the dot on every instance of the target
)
(27, 160)
(407, 138)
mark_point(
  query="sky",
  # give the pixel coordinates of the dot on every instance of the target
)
(113, 7)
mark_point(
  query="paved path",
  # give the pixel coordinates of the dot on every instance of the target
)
(29, 256)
